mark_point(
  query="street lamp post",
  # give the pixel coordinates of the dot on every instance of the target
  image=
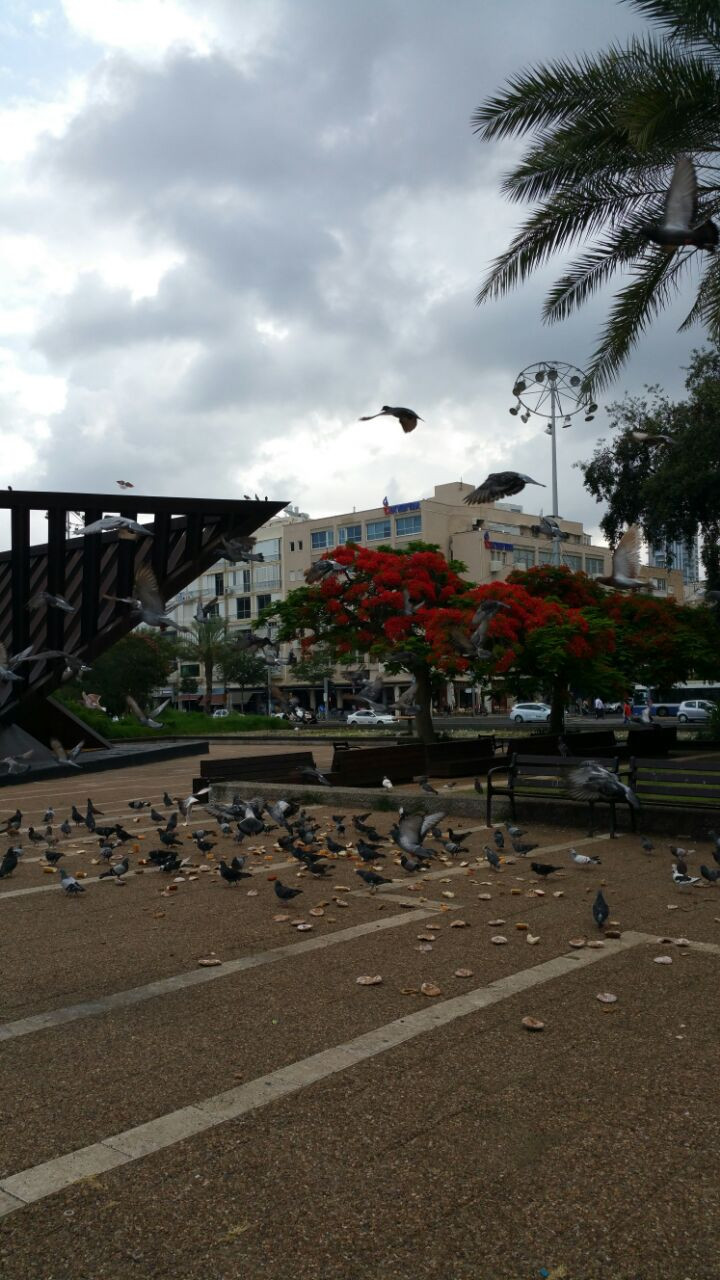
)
(552, 389)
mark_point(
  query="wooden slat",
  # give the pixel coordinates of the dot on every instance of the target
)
(55, 619)
(161, 544)
(91, 557)
(20, 576)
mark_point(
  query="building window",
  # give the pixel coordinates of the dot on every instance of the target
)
(660, 585)
(292, 546)
(242, 607)
(594, 566)
(269, 548)
(572, 561)
(300, 545)
(189, 670)
(502, 528)
(376, 529)
(219, 587)
(211, 610)
(349, 533)
(545, 557)
(406, 525)
(267, 575)
(524, 557)
(322, 539)
(263, 602)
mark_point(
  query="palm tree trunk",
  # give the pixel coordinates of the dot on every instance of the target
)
(209, 665)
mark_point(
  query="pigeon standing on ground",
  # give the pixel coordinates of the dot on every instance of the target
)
(584, 859)
(371, 878)
(682, 880)
(709, 874)
(427, 786)
(492, 858)
(118, 870)
(284, 892)
(600, 909)
(522, 849)
(499, 838)
(69, 883)
(9, 862)
(543, 869)
(232, 875)
(387, 784)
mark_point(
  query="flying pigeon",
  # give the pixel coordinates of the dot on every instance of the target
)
(679, 226)
(550, 527)
(322, 569)
(501, 484)
(314, 775)
(241, 549)
(67, 757)
(148, 720)
(52, 602)
(407, 418)
(147, 602)
(650, 437)
(125, 527)
(16, 764)
(625, 563)
(125, 484)
(591, 782)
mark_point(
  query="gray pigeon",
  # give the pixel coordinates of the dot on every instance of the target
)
(407, 418)
(501, 484)
(679, 226)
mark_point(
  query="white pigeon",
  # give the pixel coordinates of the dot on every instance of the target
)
(683, 881)
(584, 859)
(387, 783)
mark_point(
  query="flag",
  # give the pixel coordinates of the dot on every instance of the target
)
(486, 539)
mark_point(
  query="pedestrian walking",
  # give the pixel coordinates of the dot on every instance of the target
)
(599, 708)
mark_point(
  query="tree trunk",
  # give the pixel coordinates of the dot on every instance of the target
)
(423, 716)
(557, 716)
(209, 666)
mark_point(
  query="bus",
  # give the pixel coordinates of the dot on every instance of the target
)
(665, 702)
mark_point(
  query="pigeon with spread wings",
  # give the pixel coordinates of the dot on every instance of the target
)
(147, 602)
(148, 721)
(407, 418)
(679, 226)
(501, 484)
(625, 563)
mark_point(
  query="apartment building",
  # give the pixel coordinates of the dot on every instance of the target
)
(491, 539)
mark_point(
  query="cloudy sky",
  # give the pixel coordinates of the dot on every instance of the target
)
(230, 227)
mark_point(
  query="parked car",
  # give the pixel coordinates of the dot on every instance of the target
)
(369, 717)
(220, 713)
(695, 709)
(529, 711)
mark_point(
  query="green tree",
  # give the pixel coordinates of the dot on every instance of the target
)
(315, 666)
(244, 668)
(672, 491)
(604, 134)
(136, 665)
(209, 643)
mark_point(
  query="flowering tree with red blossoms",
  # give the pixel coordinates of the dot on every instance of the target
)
(560, 630)
(362, 611)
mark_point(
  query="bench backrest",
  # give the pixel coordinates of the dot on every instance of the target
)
(678, 780)
(528, 766)
(253, 766)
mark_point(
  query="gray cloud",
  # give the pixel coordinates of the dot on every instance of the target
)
(331, 216)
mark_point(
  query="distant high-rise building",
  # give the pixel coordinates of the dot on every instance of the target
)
(682, 556)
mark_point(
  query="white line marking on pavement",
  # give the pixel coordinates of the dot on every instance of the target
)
(30, 1185)
(197, 977)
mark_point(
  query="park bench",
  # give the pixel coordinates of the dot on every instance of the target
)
(460, 759)
(676, 784)
(651, 740)
(595, 743)
(366, 766)
(542, 778)
(281, 767)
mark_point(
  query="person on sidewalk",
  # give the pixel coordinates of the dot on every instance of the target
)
(599, 708)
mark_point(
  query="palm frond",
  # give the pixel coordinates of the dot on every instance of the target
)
(656, 278)
(688, 21)
(591, 271)
(706, 307)
(536, 98)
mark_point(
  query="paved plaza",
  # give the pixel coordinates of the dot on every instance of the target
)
(270, 1116)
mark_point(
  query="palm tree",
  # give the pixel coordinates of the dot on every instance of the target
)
(604, 134)
(209, 644)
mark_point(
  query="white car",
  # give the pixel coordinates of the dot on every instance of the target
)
(695, 709)
(220, 713)
(369, 717)
(530, 711)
